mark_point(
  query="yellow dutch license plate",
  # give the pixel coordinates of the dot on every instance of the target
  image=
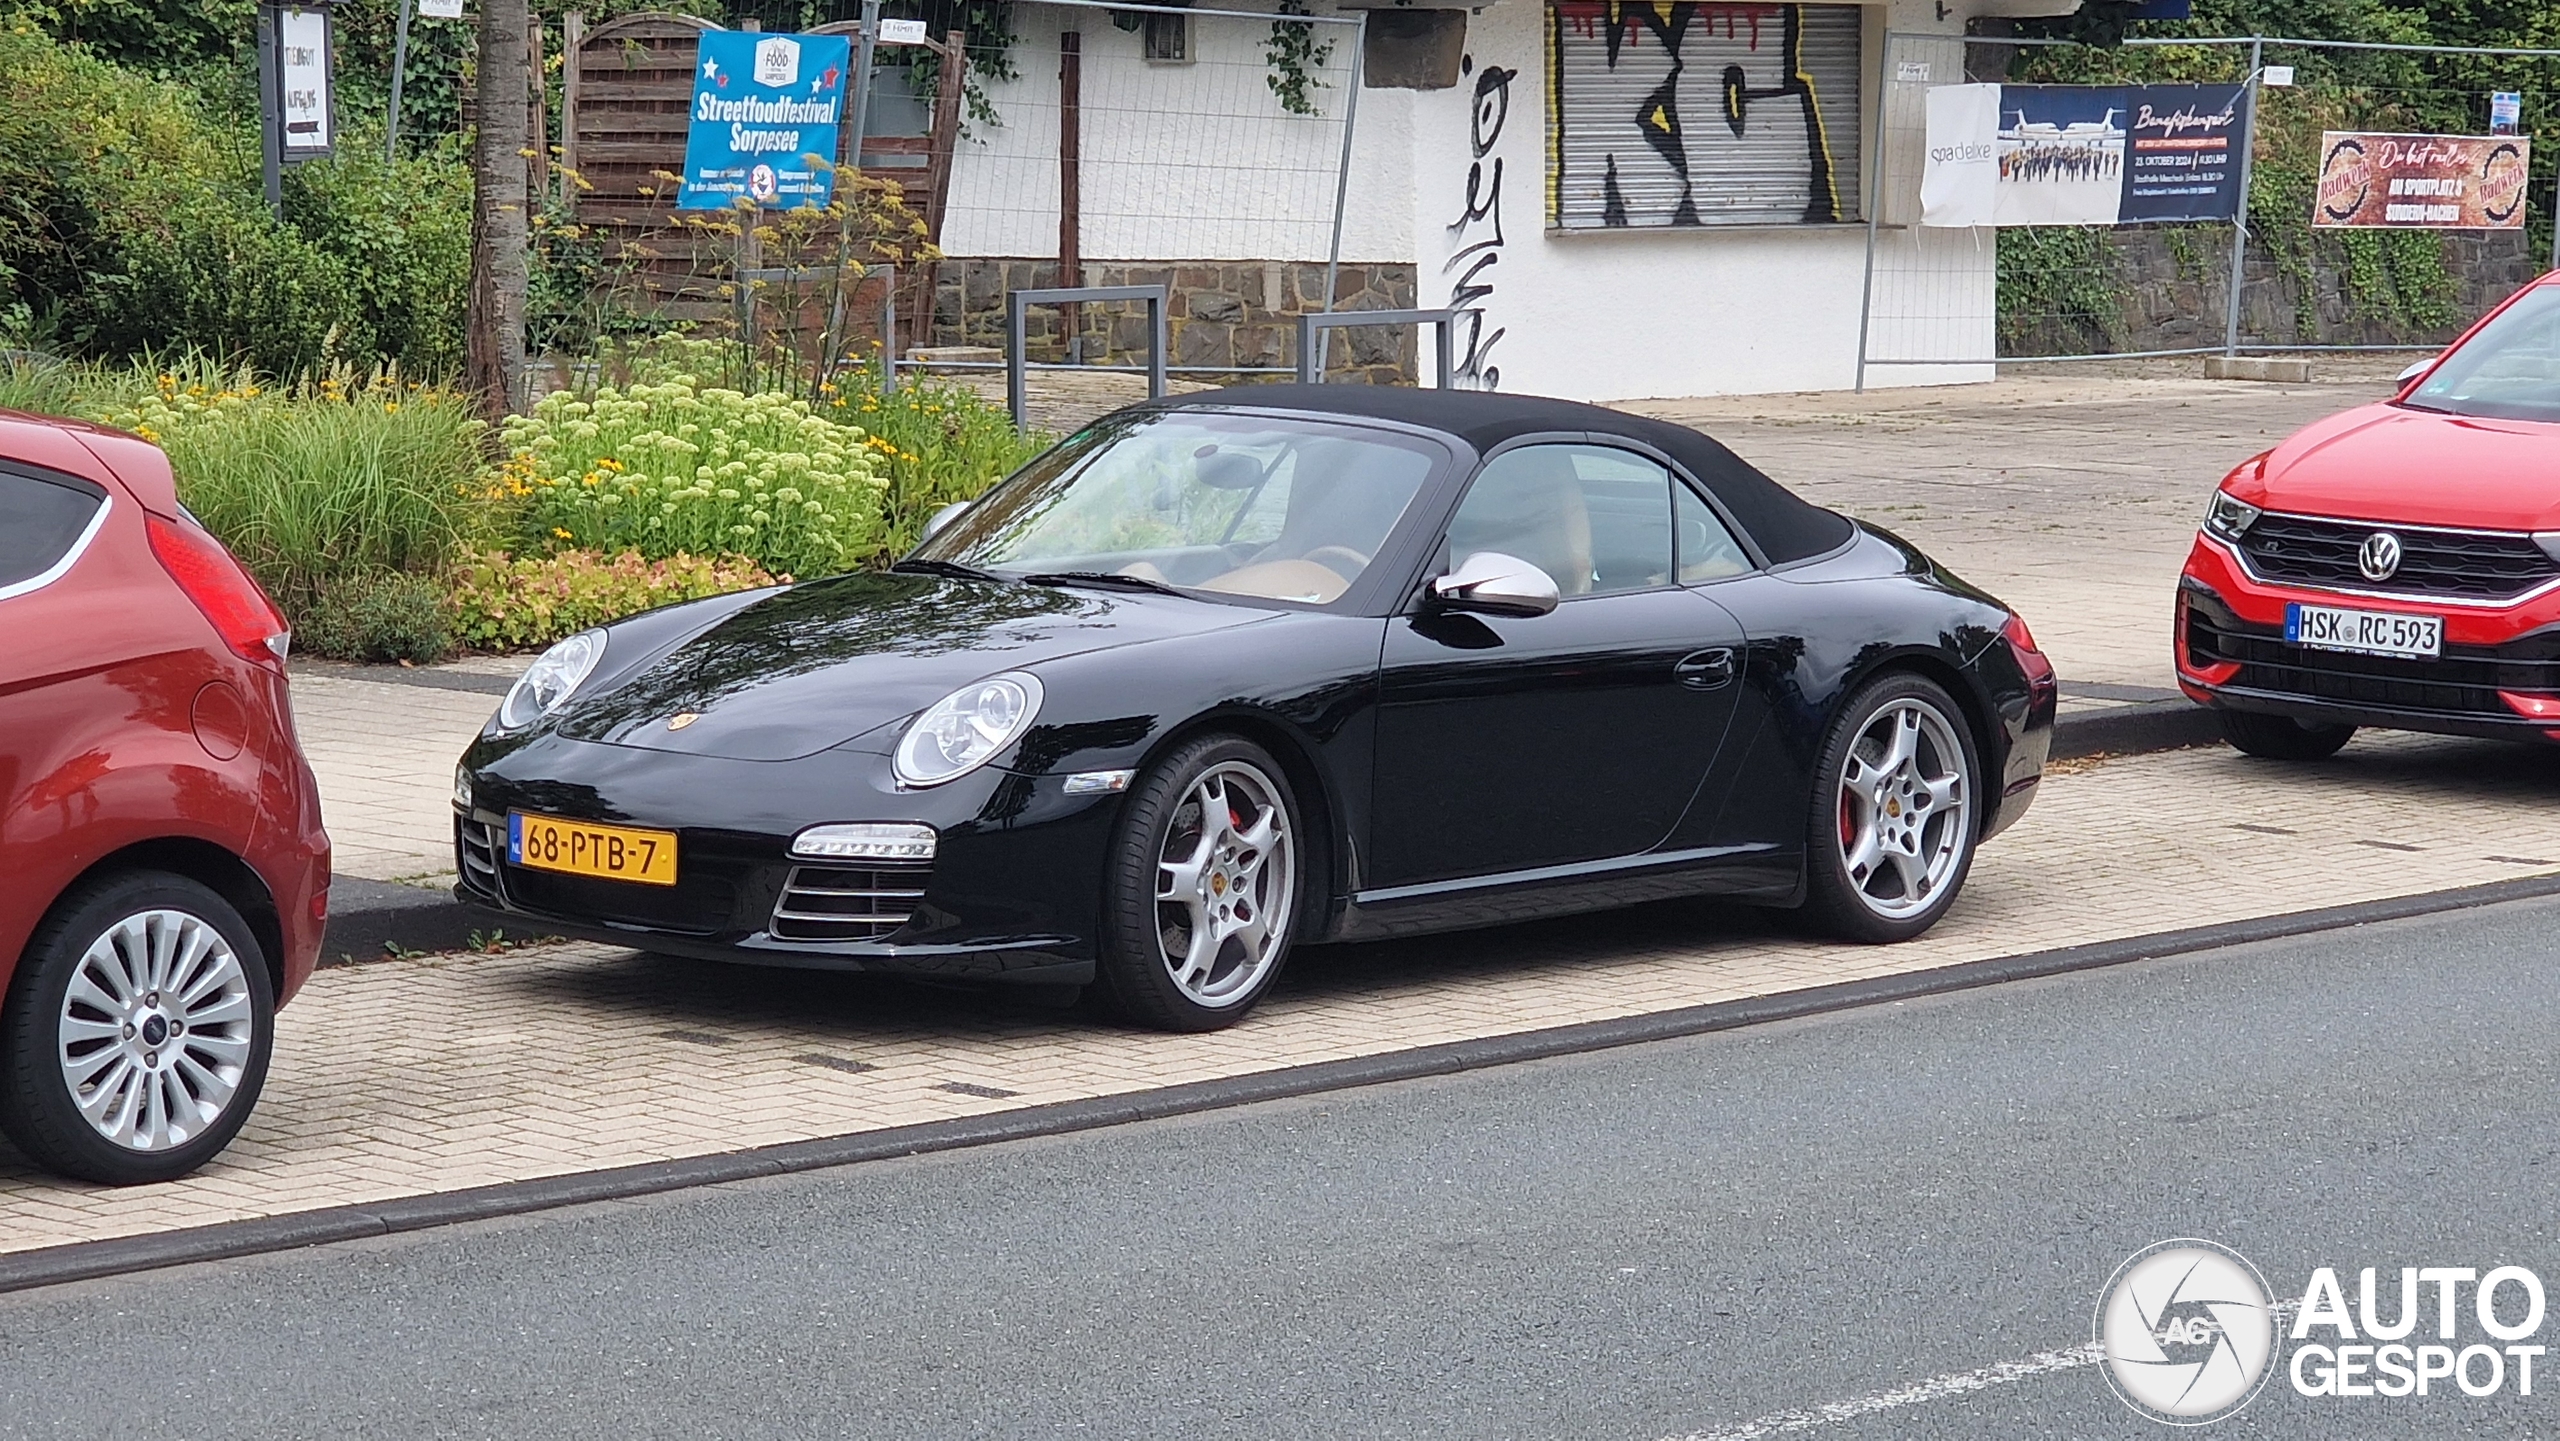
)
(582, 848)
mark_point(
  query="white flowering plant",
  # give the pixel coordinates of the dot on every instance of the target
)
(678, 468)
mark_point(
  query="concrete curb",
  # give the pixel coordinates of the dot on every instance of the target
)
(371, 919)
(55, 1265)
(2165, 725)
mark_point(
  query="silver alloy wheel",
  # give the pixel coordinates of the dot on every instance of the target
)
(155, 1030)
(1906, 808)
(1226, 885)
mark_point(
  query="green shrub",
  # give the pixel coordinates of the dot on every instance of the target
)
(314, 483)
(133, 221)
(501, 602)
(668, 469)
(391, 616)
(939, 443)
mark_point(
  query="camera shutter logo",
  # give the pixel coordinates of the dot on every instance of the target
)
(2379, 556)
(2188, 1331)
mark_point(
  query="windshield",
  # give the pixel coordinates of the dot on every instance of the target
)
(2509, 371)
(1285, 508)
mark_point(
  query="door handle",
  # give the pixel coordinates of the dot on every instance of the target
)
(1706, 669)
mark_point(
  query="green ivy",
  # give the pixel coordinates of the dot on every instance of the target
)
(2058, 288)
(1292, 51)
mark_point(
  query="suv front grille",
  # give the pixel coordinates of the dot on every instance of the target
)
(848, 903)
(2469, 564)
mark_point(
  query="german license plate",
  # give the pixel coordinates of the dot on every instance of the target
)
(582, 848)
(2366, 632)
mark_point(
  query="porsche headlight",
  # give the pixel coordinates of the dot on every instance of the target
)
(964, 730)
(2229, 517)
(550, 679)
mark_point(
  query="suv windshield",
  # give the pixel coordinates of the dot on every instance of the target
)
(2509, 371)
(1285, 508)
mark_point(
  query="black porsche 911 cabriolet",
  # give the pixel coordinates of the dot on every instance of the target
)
(1221, 674)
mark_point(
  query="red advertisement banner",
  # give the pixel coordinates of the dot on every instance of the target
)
(2426, 182)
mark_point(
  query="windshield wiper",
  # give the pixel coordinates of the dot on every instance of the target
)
(1106, 578)
(952, 568)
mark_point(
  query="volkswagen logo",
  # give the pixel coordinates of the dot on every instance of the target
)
(2379, 556)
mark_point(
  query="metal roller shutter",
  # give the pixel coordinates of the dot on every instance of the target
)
(1668, 114)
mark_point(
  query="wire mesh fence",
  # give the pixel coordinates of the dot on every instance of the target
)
(1201, 150)
(1037, 144)
(1941, 303)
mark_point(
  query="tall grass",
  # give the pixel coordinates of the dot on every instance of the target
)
(322, 481)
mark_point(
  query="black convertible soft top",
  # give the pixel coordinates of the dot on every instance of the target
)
(1787, 526)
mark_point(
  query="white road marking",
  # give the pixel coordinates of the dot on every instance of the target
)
(1936, 1388)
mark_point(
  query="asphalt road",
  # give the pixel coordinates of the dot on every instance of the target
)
(1667, 1240)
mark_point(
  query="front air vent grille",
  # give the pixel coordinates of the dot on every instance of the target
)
(848, 903)
(476, 849)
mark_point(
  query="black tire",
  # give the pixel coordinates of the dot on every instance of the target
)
(1844, 900)
(229, 994)
(2281, 738)
(1139, 924)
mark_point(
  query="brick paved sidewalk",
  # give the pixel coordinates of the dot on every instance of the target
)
(462, 1070)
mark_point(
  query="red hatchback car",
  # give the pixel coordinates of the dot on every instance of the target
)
(163, 874)
(2395, 566)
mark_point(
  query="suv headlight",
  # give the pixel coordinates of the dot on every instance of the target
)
(2229, 517)
(550, 679)
(964, 730)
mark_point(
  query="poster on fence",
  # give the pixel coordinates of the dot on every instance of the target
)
(2424, 182)
(2082, 154)
(765, 111)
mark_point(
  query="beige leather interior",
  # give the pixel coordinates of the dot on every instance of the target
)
(1300, 580)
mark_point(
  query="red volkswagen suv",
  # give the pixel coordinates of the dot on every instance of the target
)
(2397, 565)
(163, 874)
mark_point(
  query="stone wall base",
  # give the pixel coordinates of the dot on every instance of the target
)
(1236, 316)
(2171, 287)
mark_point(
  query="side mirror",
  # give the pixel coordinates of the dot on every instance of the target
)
(940, 518)
(1491, 583)
(2414, 371)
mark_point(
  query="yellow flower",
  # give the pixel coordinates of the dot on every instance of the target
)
(391, 406)
(564, 535)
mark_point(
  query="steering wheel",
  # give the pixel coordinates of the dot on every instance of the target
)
(1332, 556)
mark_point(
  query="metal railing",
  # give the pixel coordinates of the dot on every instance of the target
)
(1017, 301)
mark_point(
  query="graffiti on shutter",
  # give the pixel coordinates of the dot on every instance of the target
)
(1674, 114)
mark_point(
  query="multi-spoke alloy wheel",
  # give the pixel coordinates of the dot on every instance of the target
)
(1225, 883)
(1200, 931)
(155, 1029)
(137, 1031)
(1894, 812)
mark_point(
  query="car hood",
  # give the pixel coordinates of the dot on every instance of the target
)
(818, 664)
(2417, 467)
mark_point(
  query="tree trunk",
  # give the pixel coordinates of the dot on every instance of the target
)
(494, 356)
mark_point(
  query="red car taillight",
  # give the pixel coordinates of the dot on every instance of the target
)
(247, 621)
(2022, 644)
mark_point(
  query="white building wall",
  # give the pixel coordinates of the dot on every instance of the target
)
(1648, 313)
(1197, 161)
(1192, 160)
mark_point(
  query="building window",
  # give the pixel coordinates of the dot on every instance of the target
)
(1684, 115)
(1168, 37)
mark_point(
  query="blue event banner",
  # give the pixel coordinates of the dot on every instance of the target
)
(764, 121)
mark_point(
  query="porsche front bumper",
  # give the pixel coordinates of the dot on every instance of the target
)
(1012, 892)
